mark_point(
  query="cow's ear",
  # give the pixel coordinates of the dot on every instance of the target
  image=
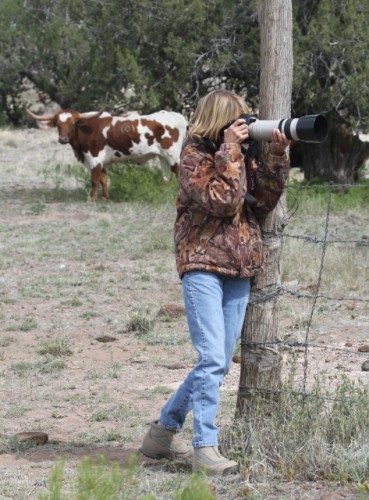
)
(51, 123)
(85, 128)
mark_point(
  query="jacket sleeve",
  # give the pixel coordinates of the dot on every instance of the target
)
(215, 184)
(270, 177)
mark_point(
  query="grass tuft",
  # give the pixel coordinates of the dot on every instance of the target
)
(99, 480)
(48, 365)
(58, 346)
(322, 436)
(140, 321)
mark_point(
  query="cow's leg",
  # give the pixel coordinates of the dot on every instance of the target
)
(165, 168)
(175, 169)
(104, 183)
(95, 181)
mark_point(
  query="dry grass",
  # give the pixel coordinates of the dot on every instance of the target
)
(72, 272)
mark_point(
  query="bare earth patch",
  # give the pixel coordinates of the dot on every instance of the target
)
(72, 274)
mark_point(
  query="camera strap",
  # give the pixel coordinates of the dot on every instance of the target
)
(250, 175)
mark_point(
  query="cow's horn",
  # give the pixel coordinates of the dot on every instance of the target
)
(39, 118)
(91, 114)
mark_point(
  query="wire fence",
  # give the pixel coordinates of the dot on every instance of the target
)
(323, 242)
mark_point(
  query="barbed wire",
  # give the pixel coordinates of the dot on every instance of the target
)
(322, 296)
(296, 343)
(259, 296)
(300, 187)
(304, 395)
(315, 298)
(364, 241)
(272, 291)
(340, 187)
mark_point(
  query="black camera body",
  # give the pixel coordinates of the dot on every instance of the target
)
(309, 128)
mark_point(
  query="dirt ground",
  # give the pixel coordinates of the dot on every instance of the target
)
(68, 272)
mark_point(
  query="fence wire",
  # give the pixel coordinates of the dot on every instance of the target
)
(275, 290)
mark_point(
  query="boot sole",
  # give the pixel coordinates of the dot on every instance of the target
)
(235, 469)
(155, 457)
(164, 457)
(231, 470)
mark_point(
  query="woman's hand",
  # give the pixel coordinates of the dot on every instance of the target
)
(279, 142)
(237, 133)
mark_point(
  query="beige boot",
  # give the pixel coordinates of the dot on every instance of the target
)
(160, 442)
(208, 459)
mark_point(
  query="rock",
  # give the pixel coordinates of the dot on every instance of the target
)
(236, 358)
(330, 496)
(174, 366)
(365, 366)
(172, 311)
(37, 438)
(363, 348)
(105, 338)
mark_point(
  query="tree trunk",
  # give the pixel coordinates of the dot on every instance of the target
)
(337, 160)
(261, 364)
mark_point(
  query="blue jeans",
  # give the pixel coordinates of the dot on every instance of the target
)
(215, 309)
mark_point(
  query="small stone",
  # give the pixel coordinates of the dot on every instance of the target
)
(172, 311)
(37, 438)
(365, 366)
(331, 496)
(363, 348)
(105, 338)
(236, 358)
(174, 366)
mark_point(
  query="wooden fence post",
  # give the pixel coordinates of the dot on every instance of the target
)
(261, 364)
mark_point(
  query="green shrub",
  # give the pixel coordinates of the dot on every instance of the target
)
(99, 480)
(197, 488)
(96, 480)
(138, 183)
(314, 198)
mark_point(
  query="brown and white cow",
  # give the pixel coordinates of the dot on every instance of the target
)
(100, 139)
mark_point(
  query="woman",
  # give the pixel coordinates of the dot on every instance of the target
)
(223, 188)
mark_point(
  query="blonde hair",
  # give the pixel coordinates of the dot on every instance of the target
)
(213, 111)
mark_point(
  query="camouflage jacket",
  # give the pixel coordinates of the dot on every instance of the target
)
(216, 230)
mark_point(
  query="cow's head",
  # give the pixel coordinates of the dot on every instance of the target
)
(65, 120)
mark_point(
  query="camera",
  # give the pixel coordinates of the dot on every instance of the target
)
(309, 128)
